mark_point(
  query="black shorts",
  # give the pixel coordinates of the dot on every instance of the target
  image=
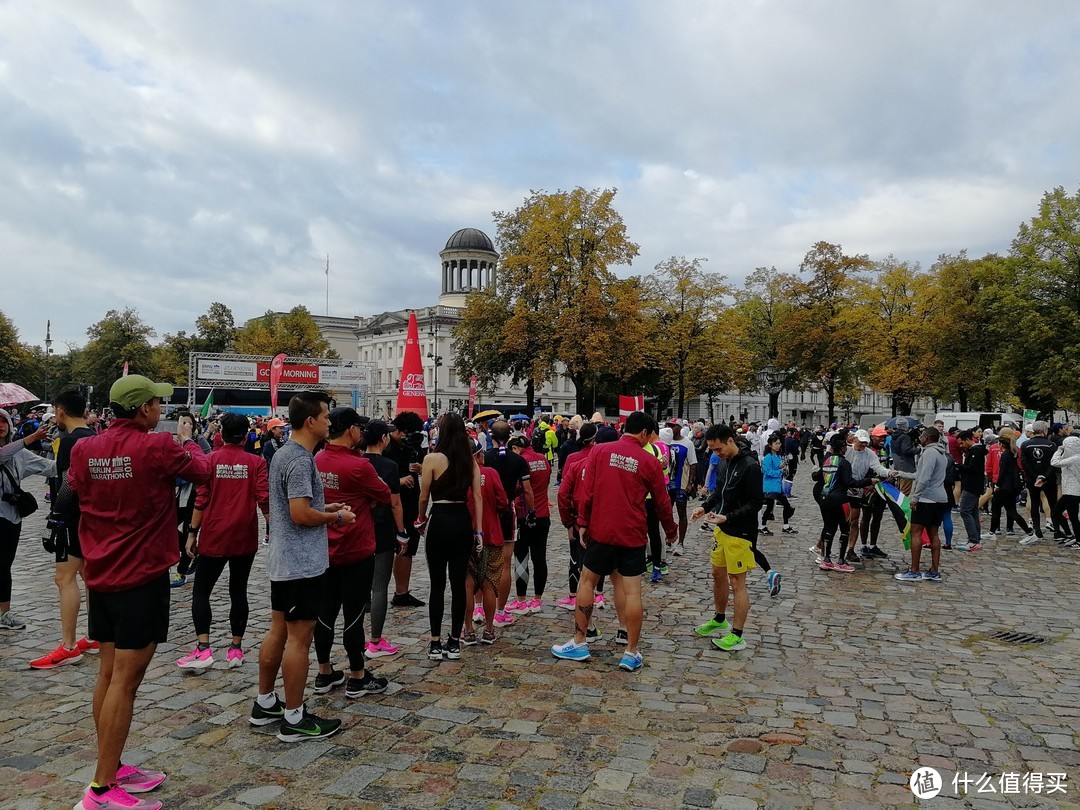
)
(928, 514)
(604, 559)
(298, 599)
(71, 535)
(506, 523)
(131, 619)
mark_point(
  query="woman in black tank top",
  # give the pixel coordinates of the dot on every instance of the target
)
(448, 478)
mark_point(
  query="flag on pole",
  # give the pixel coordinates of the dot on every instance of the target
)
(277, 365)
(205, 413)
(412, 393)
(627, 405)
(125, 369)
(472, 395)
(900, 506)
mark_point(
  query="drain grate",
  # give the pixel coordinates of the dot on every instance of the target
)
(1017, 638)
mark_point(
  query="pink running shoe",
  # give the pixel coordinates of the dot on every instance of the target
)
(535, 605)
(517, 606)
(381, 650)
(234, 657)
(598, 601)
(197, 659)
(115, 798)
(478, 615)
(567, 603)
(136, 780)
(503, 619)
(847, 569)
(827, 565)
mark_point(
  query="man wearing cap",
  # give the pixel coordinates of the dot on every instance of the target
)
(273, 439)
(1041, 478)
(124, 480)
(864, 460)
(408, 456)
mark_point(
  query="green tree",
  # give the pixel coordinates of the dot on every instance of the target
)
(764, 310)
(116, 338)
(16, 363)
(826, 322)
(294, 332)
(215, 330)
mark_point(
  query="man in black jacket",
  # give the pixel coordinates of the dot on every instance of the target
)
(1040, 478)
(733, 508)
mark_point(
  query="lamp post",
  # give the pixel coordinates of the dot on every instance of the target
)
(48, 356)
(771, 380)
(435, 357)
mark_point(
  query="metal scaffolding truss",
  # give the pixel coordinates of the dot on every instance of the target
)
(196, 381)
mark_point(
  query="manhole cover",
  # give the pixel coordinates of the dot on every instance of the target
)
(1013, 637)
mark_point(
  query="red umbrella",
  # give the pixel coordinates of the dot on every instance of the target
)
(12, 394)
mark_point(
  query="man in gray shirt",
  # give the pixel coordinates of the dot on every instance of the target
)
(296, 561)
(929, 502)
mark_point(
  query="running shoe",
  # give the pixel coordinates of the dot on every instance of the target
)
(729, 643)
(631, 661)
(406, 600)
(478, 615)
(536, 605)
(115, 798)
(176, 580)
(712, 626)
(908, 576)
(9, 621)
(852, 558)
(598, 601)
(774, 583)
(706, 527)
(452, 648)
(57, 658)
(381, 649)
(946, 547)
(665, 569)
(488, 637)
(969, 546)
(789, 530)
(136, 780)
(85, 645)
(864, 552)
(593, 634)
(435, 651)
(1031, 539)
(815, 550)
(826, 565)
(678, 549)
(877, 554)
(648, 567)
(324, 683)
(932, 576)
(571, 651)
(309, 728)
(621, 638)
(519, 606)
(234, 657)
(201, 659)
(656, 576)
(368, 685)
(844, 567)
(469, 638)
(503, 619)
(1010, 533)
(264, 717)
(765, 530)
(567, 603)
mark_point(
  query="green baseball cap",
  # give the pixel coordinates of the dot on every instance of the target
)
(134, 390)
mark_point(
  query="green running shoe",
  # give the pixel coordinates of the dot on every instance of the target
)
(711, 626)
(729, 643)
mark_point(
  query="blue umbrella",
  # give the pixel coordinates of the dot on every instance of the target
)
(912, 422)
(520, 416)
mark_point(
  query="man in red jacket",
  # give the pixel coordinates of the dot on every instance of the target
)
(225, 531)
(124, 481)
(349, 478)
(617, 477)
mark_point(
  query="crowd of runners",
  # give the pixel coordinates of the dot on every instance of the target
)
(348, 500)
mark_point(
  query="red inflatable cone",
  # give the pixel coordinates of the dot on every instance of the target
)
(412, 393)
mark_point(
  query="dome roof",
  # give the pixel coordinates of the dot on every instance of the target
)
(469, 239)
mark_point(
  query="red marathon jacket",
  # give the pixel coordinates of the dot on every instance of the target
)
(125, 479)
(539, 479)
(572, 489)
(618, 476)
(347, 477)
(239, 485)
(495, 501)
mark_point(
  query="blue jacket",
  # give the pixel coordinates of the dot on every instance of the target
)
(773, 477)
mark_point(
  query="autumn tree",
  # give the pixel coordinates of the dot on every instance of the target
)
(554, 290)
(294, 332)
(824, 320)
(215, 330)
(763, 310)
(15, 361)
(117, 338)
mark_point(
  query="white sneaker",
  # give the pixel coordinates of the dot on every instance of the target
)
(9, 621)
(1031, 539)
(678, 549)
(988, 535)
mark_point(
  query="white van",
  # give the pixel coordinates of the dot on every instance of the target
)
(969, 420)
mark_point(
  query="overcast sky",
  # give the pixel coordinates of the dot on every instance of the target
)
(163, 155)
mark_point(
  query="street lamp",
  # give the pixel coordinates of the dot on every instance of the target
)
(48, 354)
(435, 357)
(772, 380)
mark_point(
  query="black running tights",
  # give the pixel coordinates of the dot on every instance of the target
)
(345, 588)
(206, 577)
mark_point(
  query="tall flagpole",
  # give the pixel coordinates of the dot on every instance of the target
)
(328, 284)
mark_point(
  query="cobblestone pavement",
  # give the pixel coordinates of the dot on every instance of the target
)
(848, 683)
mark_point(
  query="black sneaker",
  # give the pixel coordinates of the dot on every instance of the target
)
(620, 637)
(368, 685)
(310, 728)
(853, 558)
(264, 717)
(789, 530)
(324, 683)
(765, 530)
(877, 553)
(406, 600)
(452, 649)
(593, 634)
(435, 651)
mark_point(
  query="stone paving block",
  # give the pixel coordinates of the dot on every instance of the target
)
(353, 782)
(260, 795)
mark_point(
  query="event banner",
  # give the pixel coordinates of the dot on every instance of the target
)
(252, 371)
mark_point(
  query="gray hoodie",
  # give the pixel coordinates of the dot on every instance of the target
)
(930, 475)
(1067, 459)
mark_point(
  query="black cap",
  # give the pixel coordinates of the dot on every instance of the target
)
(341, 419)
(374, 432)
(587, 432)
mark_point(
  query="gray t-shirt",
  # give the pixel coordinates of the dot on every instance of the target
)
(296, 552)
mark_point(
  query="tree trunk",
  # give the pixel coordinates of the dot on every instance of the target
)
(986, 400)
(830, 393)
(682, 388)
(774, 405)
(962, 397)
(530, 396)
(581, 396)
